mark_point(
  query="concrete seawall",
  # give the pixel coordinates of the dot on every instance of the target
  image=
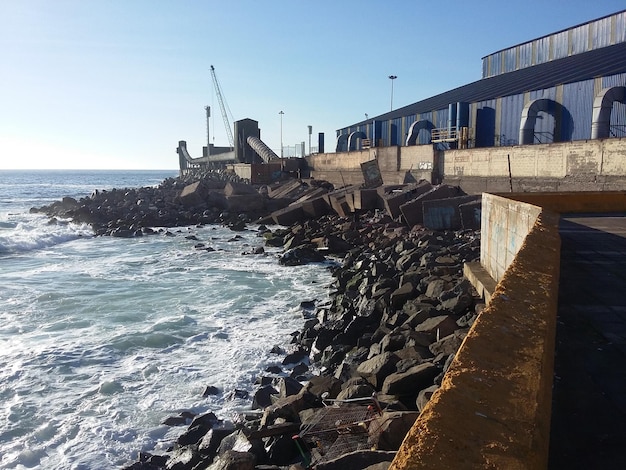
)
(493, 409)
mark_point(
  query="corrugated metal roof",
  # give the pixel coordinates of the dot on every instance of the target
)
(602, 62)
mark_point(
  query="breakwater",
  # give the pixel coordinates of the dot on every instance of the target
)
(398, 311)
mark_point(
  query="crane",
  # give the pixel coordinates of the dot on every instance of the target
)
(220, 99)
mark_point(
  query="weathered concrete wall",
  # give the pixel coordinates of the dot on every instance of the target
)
(505, 223)
(579, 165)
(494, 405)
(397, 164)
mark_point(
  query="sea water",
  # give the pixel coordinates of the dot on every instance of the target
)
(103, 338)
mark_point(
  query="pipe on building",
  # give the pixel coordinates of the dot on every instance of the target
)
(529, 118)
(414, 130)
(602, 106)
(352, 138)
(342, 143)
(261, 149)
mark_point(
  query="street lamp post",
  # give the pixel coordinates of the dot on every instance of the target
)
(281, 134)
(392, 78)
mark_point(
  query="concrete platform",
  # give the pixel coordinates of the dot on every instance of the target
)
(588, 428)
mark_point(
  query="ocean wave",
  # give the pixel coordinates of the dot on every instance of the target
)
(37, 233)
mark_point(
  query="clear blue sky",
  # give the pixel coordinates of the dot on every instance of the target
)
(117, 83)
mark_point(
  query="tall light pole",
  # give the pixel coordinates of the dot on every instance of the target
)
(208, 138)
(281, 134)
(392, 78)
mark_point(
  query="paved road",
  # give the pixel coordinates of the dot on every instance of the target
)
(589, 399)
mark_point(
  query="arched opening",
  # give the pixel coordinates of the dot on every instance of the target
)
(602, 107)
(562, 121)
(353, 138)
(414, 131)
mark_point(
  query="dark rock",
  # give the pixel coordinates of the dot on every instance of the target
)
(299, 256)
(210, 390)
(262, 397)
(390, 428)
(376, 369)
(295, 357)
(288, 386)
(411, 381)
(213, 438)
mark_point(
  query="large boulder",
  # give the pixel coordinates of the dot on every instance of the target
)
(411, 381)
(376, 369)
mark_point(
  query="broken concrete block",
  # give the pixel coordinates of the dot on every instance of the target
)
(413, 212)
(366, 199)
(232, 188)
(397, 198)
(193, 194)
(471, 214)
(444, 214)
(289, 215)
(315, 207)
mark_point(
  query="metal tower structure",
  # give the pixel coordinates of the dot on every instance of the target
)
(220, 99)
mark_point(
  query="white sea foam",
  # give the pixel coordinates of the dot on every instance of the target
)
(101, 339)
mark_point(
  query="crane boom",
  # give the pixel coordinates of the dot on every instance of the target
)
(220, 99)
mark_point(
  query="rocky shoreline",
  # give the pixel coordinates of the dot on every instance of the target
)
(398, 311)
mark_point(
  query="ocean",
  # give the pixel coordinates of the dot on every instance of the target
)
(103, 338)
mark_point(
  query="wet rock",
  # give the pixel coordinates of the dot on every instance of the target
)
(299, 256)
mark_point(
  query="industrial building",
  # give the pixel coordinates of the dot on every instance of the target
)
(566, 86)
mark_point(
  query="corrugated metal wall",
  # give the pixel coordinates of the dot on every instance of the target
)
(593, 35)
(620, 27)
(601, 33)
(578, 100)
(580, 39)
(510, 118)
(560, 45)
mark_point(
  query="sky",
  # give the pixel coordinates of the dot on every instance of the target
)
(115, 84)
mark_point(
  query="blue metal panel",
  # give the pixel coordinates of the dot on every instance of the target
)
(496, 63)
(601, 33)
(614, 80)
(578, 101)
(525, 55)
(485, 125)
(486, 67)
(396, 131)
(618, 120)
(424, 136)
(384, 132)
(510, 60)
(442, 119)
(510, 117)
(560, 45)
(580, 39)
(543, 50)
(620, 27)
